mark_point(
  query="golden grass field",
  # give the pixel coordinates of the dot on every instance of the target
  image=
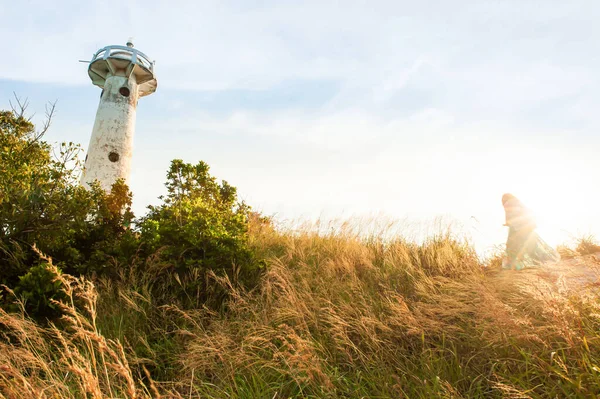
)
(336, 315)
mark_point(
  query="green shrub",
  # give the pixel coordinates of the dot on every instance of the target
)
(107, 243)
(39, 289)
(42, 205)
(201, 228)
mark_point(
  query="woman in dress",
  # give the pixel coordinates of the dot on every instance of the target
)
(523, 242)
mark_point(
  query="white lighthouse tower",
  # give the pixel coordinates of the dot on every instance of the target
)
(124, 74)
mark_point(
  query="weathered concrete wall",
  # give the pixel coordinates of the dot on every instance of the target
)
(111, 146)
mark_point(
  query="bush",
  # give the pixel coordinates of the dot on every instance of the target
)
(107, 243)
(40, 289)
(199, 233)
(43, 205)
(200, 230)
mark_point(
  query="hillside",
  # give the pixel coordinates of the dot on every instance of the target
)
(333, 317)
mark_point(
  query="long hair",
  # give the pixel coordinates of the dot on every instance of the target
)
(509, 197)
(517, 214)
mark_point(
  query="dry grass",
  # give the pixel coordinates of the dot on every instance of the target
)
(335, 316)
(67, 359)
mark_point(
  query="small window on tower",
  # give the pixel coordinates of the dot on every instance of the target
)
(124, 91)
(113, 157)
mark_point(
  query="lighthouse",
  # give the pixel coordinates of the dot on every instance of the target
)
(124, 74)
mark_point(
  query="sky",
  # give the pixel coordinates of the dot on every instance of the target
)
(397, 110)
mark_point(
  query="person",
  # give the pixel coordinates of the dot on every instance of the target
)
(523, 243)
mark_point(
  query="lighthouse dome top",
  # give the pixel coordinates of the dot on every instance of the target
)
(125, 61)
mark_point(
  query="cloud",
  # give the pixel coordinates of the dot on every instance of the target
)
(470, 59)
(385, 105)
(226, 45)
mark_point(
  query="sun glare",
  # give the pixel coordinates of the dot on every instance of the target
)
(560, 213)
(553, 224)
(551, 185)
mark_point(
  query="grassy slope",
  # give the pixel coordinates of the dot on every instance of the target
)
(334, 317)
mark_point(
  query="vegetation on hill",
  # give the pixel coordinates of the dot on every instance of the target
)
(200, 227)
(203, 298)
